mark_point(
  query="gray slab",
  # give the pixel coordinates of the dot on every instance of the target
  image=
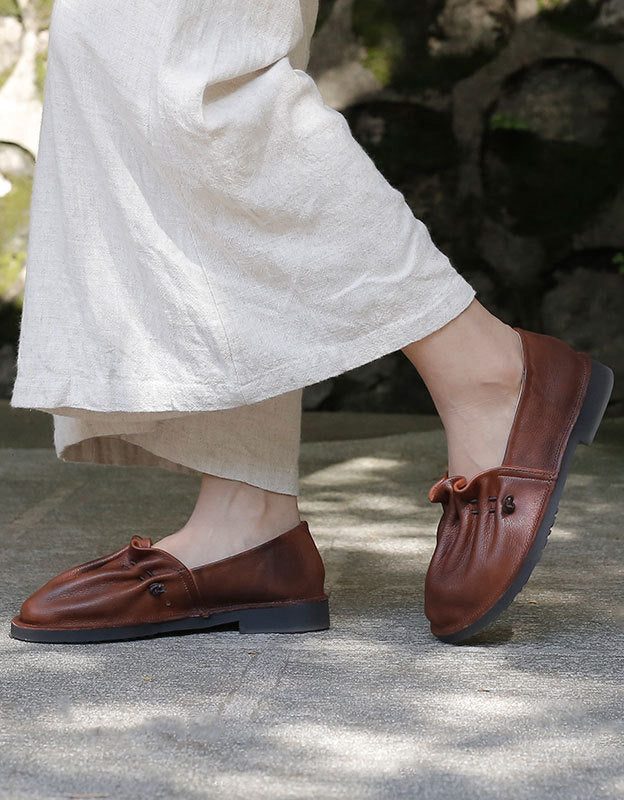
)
(373, 708)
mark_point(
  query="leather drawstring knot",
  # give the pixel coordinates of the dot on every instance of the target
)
(508, 504)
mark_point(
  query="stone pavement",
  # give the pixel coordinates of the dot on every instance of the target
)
(375, 707)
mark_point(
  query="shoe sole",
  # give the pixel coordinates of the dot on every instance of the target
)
(597, 394)
(283, 618)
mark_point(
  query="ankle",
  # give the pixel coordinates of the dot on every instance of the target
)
(229, 518)
(497, 386)
(474, 360)
(225, 501)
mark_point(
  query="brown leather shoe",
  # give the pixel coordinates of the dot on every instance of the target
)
(140, 590)
(494, 526)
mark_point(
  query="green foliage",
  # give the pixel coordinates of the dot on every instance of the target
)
(381, 60)
(41, 63)
(14, 208)
(14, 214)
(618, 261)
(395, 37)
(506, 122)
(9, 8)
(43, 9)
(11, 264)
(544, 6)
(380, 29)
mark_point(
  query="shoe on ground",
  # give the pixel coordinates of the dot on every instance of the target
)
(276, 587)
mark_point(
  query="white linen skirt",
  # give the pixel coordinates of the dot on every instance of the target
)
(206, 239)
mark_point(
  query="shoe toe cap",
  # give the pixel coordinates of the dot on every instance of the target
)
(47, 606)
(454, 601)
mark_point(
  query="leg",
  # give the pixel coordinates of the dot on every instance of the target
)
(246, 457)
(229, 517)
(472, 367)
(234, 514)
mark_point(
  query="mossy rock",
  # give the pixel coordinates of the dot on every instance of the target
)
(41, 65)
(414, 147)
(43, 10)
(553, 153)
(571, 17)
(395, 36)
(11, 264)
(584, 307)
(14, 211)
(403, 139)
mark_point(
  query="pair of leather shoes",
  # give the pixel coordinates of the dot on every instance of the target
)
(489, 539)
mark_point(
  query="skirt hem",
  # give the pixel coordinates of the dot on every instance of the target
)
(159, 397)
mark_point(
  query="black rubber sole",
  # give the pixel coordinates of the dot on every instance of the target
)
(301, 617)
(597, 394)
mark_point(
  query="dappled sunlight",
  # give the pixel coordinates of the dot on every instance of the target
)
(396, 546)
(374, 704)
(559, 532)
(353, 472)
(351, 750)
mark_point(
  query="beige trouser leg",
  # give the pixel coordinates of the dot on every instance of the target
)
(257, 444)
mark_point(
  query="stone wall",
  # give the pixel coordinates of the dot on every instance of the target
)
(501, 122)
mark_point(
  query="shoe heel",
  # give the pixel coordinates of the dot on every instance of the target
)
(288, 618)
(597, 396)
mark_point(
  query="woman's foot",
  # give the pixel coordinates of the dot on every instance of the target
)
(494, 528)
(230, 517)
(473, 369)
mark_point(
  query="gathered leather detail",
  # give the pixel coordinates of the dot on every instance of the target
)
(113, 591)
(481, 543)
(456, 489)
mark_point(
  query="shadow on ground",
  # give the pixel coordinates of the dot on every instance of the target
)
(374, 707)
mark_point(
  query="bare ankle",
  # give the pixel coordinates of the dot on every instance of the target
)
(473, 369)
(230, 517)
(222, 499)
(475, 359)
